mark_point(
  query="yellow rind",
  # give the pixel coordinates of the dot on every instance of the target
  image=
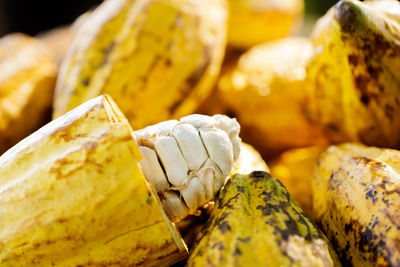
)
(265, 91)
(72, 194)
(353, 77)
(390, 8)
(27, 77)
(294, 168)
(356, 200)
(249, 160)
(257, 223)
(157, 59)
(252, 22)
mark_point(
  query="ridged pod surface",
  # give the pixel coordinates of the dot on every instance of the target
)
(257, 223)
(265, 91)
(256, 21)
(249, 160)
(156, 58)
(27, 77)
(72, 194)
(390, 8)
(294, 168)
(353, 77)
(356, 200)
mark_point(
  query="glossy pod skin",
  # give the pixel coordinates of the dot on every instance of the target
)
(294, 168)
(356, 202)
(353, 77)
(28, 73)
(265, 90)
(252, 22)
(137, 51)
(250, 160)
(256, 222)
(73, 194)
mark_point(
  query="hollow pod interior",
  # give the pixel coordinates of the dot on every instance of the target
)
(72, 193)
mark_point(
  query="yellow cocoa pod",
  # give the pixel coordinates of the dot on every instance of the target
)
(250, 160)
(390, 8)
(255, 21)
(353, 77)
(265, 92)
(27, 76)
(356, 201)
(157, 58)
(257, 223)
(73, 194)
(294, 168)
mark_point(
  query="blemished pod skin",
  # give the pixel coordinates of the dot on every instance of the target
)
(256, 222)
(73, 194)
(353, 76)
(294, 168)
(100, 193)
(356, 203)
(158, 59)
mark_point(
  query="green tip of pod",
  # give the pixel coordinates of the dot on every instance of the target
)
(351, 15)
(257, 223)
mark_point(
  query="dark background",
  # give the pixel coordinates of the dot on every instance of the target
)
(34, 16)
